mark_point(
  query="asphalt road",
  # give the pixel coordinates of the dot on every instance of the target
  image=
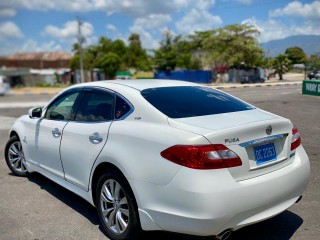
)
(36, 208)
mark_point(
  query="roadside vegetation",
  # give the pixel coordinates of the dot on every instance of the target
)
(230, 46)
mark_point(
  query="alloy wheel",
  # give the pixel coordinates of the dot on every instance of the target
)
(16, 157)
(114, 206)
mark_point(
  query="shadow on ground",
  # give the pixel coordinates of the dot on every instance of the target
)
(281, 227)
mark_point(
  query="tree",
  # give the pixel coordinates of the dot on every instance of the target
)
(74, 63)
(282, 65)
(198, 38)
(75, 48)
(119, 47)
(165, 58)
(136, 56)
(110, 64)
(90, 57)
(175, 52)
(313, 62)
(105, 44)
(183, 49)
(234, 45)
(296, 55)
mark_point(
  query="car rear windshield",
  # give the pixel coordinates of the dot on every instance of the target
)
(192, 101)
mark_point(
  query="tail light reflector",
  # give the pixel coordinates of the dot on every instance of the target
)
(214, 156)
(296, 139)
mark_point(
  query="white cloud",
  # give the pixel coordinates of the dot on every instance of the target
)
(33, 46)
(197, 20)
(147, 39)
(9, 30)
(44, 5)
(148, 26)
(246, 2)
(133, 8)
(114, 33)
(141, 8)
(298, 9)
(272, 29)
(7, 12)
(29, 45)
(69, 31)
(111, 28)
(153, 21)
(202, 4)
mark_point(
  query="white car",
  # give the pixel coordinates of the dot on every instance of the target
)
(163, 155)
(4, 85)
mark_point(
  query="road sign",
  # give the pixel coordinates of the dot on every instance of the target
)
(311, 87)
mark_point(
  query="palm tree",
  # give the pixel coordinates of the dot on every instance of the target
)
(282, 65)
(75, 48)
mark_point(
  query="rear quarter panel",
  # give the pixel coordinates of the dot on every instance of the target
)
(135, 147)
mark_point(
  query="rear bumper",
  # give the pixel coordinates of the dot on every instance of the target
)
(206, 202)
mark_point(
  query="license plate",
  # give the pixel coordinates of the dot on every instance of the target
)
(265, 153)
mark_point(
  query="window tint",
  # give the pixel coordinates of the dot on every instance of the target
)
(182, 102)
(122, 107)
(96, 107)
(62, 109)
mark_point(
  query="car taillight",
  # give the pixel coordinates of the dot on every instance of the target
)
(296, 139)
(214, 156)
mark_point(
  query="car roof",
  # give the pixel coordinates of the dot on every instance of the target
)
(140, 84)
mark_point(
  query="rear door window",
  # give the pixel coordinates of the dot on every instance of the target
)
(122, 108)
(192, 101)
(96, 107)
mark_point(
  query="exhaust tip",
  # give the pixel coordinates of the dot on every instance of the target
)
(224, 235)
(299, 199)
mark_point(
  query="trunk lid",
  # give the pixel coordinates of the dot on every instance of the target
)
(245, 133)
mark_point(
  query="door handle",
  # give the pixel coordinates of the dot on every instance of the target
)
(95, 138)
(56, 133)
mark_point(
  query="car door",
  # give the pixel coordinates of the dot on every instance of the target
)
(49, 130)
(84, 138)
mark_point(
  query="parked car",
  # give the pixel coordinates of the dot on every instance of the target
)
(4, 85)
(163, 155)
(314, 74)
(252, 79)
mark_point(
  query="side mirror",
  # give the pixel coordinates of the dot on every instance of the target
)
(35, 112)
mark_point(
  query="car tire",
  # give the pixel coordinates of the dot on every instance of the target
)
(117, 207)
(14, 156)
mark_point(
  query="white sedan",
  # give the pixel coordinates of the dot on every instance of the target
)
(163, 155)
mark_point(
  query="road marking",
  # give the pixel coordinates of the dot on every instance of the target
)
(6, 122)
(22, 104)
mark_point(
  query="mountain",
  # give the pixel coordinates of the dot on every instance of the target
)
(309, 43)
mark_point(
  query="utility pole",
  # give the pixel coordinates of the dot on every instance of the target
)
(80, 41)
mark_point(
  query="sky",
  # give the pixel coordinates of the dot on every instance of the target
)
(44, 25)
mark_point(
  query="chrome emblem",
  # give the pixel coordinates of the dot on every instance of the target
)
(269, 130)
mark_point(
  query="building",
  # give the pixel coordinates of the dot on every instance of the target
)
(31, 69)
(38, 60)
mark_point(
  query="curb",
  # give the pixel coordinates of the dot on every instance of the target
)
(255, 85)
